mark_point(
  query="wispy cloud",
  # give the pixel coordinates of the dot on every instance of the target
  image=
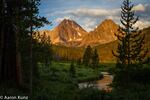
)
(139, 7)
(142, 24)
(92, 12)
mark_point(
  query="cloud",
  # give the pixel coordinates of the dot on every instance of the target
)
(147, 9)
(143, 11)
(92, 12)
(58, 20)
(89, 24)
(139, 7)
(142, 24)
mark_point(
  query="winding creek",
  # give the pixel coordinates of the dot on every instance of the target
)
(102, 84)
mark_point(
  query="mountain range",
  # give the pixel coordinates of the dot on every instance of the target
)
(69, 33)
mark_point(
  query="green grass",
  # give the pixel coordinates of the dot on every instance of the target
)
(87, 74)
(83, 73)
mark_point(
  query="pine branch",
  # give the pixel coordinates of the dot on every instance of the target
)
(125, 24)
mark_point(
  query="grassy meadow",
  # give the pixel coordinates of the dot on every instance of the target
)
(83, 73)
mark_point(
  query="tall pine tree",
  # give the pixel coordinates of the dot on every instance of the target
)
(35, 21)
(130, 54)
(10, 67)
(72, 70)
(87, 57)
(95, 59)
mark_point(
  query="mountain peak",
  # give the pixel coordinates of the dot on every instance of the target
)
(106, 25)
(66, 20)
(107, 22)
(103, 33)
(69, 23)
(67, 33)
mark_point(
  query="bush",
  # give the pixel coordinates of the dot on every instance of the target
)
(134, 92)
(90, 94)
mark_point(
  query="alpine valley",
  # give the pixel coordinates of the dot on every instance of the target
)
(69, 40)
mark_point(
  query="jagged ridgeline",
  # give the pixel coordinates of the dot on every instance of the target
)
(70, 34)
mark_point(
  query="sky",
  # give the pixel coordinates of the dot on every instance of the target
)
(90, 13)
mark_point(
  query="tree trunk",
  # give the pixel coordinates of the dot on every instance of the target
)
(1, 36)
(31, 58)
(18, 54)
(8, 47)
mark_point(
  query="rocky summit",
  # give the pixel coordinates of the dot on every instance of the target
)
(67, 33)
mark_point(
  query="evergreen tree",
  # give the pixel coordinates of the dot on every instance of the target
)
(72, 70)
(10, 57)
(46, 52)
(130, 53)
(95, 59)
(87, 57)
(148, 60)
(79, 61)
(35, 21)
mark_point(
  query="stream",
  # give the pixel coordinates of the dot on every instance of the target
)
(102, 84)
